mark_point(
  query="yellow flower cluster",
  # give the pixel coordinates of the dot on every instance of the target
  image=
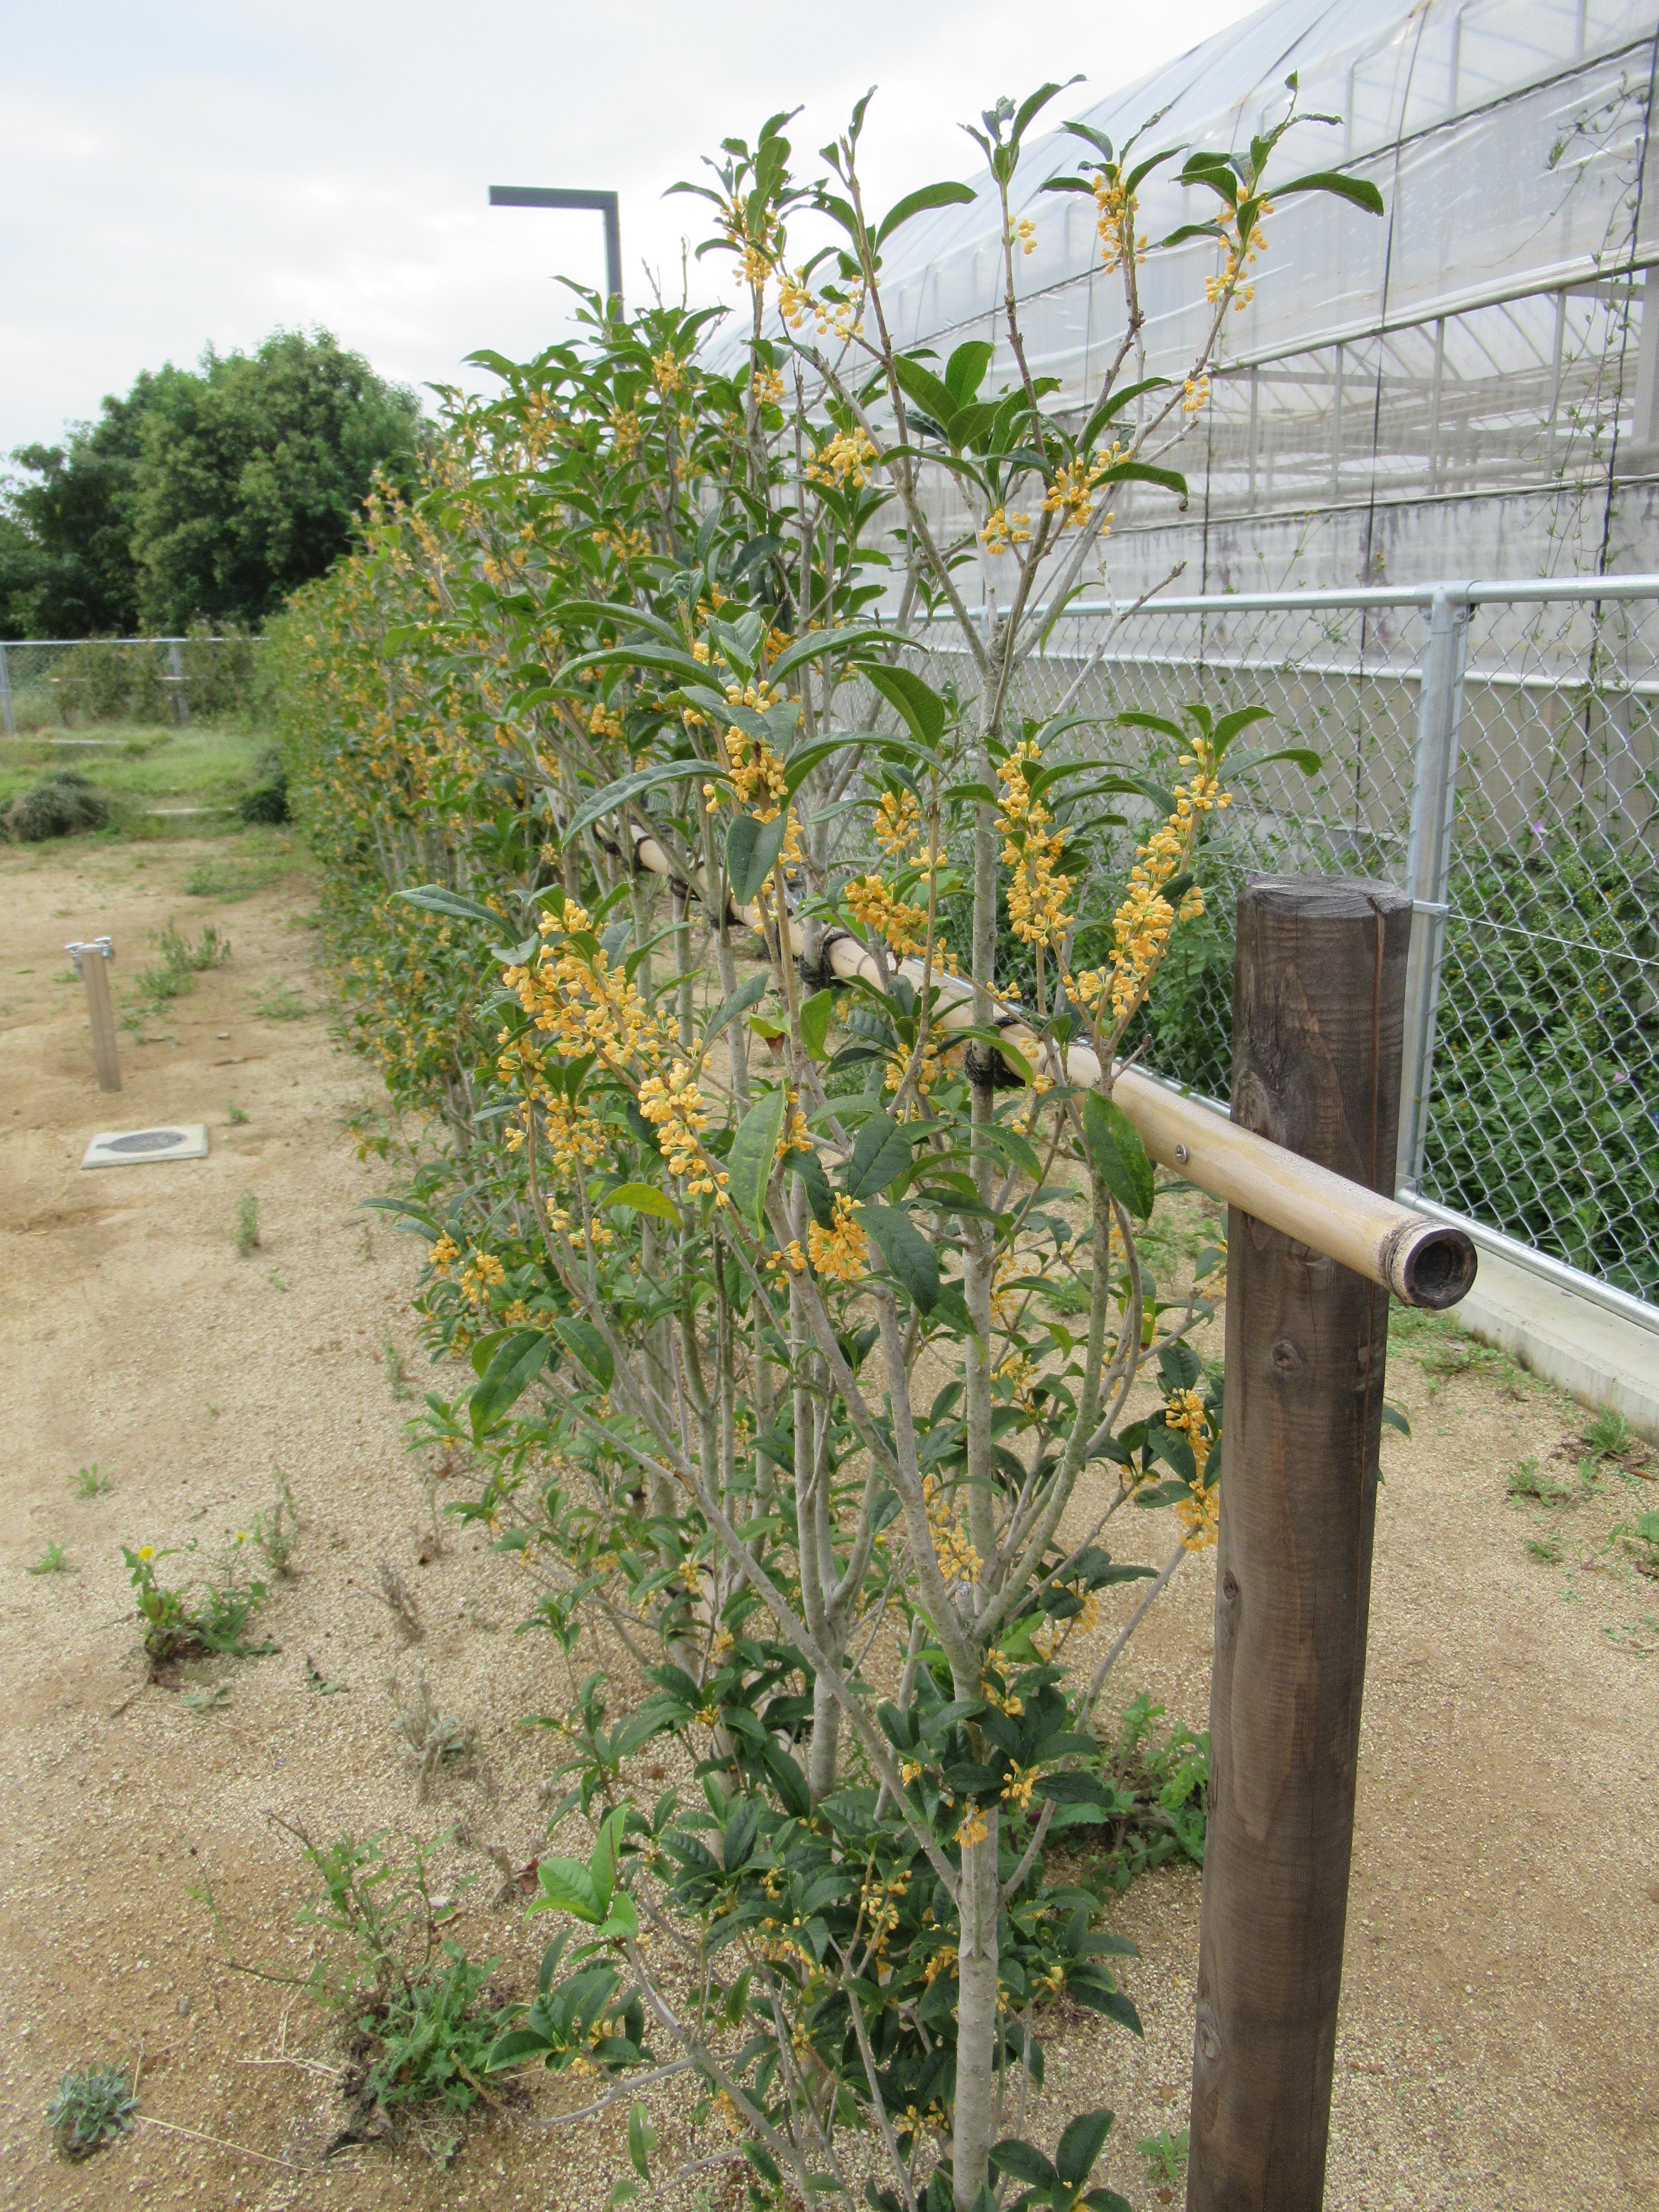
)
(603, 723)
(842, 1252)
(1115, 220)
(673, 1106)
(878, 1906)
(1023, 233)
(844, 460)
(1071, 495)
(481, 1274)
(899, 921)
(1141, 926)
(791, 1260)
(898, 823)
(795, 301)
(580, 1002)
(443, 1254)
(667, 370)
(932, 1067)
(767, 386)
(625, 424)
(1037, 894)
(1017, 1790)
(957, 1559)
(1017, 1375)
(626, 544)
(1197, 394)
(1200, 1512)
(1237, 254)
(1003, 530)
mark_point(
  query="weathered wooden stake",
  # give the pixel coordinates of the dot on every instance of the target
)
(92, 960)
(1319, 994)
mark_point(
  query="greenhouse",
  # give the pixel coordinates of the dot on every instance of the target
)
(1455, 390)
(1467, 388)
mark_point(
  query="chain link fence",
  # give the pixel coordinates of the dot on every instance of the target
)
(75, 684)
(1492, 749)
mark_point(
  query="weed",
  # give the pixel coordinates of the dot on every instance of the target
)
(1609, 1434)
(1529, 1480)
(88, 1483)
(1157, 1788)
(1166, 2155)
(317, 1680)
(436, 1739)
(284, 1005)
(420, 2005)
(92, 2106)
(212, 1699)
(54, 1560)
(1546, 1548)
(399, 1600)
(175, 1628)
(397, 1381)
(245, 1235)
(1641, 1540)
(276, 1280)
(62, 806)
(277, 1532)
(235, 1115)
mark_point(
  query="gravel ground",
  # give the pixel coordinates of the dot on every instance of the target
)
(1499, 2030)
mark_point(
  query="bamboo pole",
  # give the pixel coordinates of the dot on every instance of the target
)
(1319, 1002)
(1423, 1262)
(90, 963)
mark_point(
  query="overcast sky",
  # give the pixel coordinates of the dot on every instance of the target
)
(178, 174)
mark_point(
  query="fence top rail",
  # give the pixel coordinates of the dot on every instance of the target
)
(15, 644)
(1473, 592)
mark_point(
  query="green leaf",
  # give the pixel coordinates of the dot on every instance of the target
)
(932, 396)
(432, 899)
(644, 1198)
(966, 370)
(1120, 1157)
(751, 854)
(908, 1255)
(515, 1365)
(819, 1196)
(627, 788)
(1394, 1417)
(917, 203)
(923, 709)
(881, 1153)
(642, 2139)
(1023, 2160)
(739, 1002)
(753, 1151)
(815, 1018)
(584, 1340)
(567, 1886)
(1306, 759)
(1081, 2144)
(1359, 189)
(518, 2043)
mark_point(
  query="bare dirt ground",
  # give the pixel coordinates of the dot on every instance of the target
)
(1499, 2043)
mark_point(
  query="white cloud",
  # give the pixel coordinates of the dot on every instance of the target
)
(179, 174)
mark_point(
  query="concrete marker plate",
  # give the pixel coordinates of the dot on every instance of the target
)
(131, 1148)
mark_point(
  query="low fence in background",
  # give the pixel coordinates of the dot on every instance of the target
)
(74, 683)
(1493, 749)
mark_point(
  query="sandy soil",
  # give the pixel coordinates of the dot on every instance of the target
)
(1500, 2025)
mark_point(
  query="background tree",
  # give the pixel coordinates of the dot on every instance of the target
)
(212, 492)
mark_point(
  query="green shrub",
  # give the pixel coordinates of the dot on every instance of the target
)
(268, 800)
(63, 805)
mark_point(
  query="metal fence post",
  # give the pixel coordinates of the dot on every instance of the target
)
(176, 672)
(7, 709)
(1428, 865)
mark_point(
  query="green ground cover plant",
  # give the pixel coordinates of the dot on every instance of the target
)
(790, 1321)
(92, 2106)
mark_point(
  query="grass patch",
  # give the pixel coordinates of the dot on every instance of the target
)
(93, 2105)
(282, 1005)
(183, 959)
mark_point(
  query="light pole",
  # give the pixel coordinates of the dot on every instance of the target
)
(546, 195)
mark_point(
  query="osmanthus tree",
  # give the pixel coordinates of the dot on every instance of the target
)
(804, 1309)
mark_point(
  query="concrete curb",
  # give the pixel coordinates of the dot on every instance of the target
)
(1596, 1356)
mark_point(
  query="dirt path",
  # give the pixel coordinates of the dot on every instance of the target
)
(1500, 2036)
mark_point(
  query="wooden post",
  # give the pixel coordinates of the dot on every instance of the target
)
(1319, 995)
(92, 961)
